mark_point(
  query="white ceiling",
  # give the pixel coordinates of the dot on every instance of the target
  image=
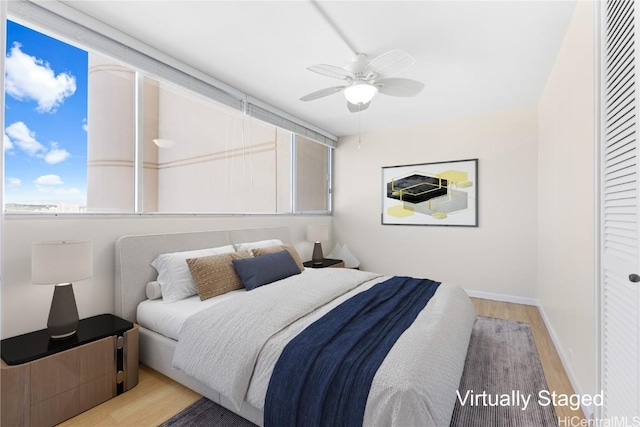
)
(472, 56)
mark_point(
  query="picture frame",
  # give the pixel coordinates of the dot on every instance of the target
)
(437, 193)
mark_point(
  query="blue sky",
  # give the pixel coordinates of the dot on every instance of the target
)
(45, 138)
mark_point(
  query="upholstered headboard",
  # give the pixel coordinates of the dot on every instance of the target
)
(134, 255)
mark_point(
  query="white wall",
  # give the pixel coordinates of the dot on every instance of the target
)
(497, 257)
(566, 287)
(25, 307)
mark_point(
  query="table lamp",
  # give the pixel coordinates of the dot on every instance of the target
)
(60, 263)
(317, 233)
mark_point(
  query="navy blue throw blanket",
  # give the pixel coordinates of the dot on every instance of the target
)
(324, 374)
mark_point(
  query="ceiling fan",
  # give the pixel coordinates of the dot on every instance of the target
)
(364, 79)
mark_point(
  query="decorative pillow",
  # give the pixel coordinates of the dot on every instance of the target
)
(279, 248)
(214, 275)
(173, 272)
(153, 290)
(265, 269)
(250, 246)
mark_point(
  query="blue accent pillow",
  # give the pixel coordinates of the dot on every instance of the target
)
(265, 269)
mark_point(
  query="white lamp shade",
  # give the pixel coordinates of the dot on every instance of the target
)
(318, 233)
(61, 261)
(360, 93)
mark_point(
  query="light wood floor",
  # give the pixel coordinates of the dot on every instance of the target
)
(157, 398)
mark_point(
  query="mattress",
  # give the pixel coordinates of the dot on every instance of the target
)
(167, 319)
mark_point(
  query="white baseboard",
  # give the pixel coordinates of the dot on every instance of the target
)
(503, 297)
(588, 410)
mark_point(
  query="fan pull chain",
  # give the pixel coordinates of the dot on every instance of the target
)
(359, 129)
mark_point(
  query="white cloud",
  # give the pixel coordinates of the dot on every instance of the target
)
(13, 183)
(56, 155)
(30, 78)
(85, 126)
(52, 184)
(48, 180)
(6, 142)
(19, 134)
(24, 138)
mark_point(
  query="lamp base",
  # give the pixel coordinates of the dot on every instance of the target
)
(63, 315)
(317, 256)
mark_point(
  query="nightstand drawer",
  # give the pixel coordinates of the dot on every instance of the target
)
(54, 375)
(56, 409)
(71, 369)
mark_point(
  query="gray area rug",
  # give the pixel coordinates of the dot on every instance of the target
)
(502, 359)
(205, 413)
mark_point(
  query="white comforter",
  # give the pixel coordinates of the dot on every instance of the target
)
(233, 347)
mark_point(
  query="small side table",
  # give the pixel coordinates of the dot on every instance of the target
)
(46, 381)
(327, 262)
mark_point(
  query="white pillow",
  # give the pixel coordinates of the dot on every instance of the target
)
(153, 290)
(174, 275)
(247, 247)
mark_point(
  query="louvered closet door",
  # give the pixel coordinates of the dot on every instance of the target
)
(620, 258)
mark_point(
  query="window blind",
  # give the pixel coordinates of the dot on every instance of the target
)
(34, 14)
(284, 123)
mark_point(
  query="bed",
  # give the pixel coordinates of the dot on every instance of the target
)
(401, 393)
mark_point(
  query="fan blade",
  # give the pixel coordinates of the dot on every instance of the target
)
(331, 71)
(355, 108)
(399, 87)
(390, 63)
(322, 92)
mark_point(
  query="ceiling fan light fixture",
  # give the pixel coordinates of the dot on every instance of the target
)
(360, 93)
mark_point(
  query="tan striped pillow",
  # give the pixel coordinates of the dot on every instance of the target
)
(214, 275)
(279, 248)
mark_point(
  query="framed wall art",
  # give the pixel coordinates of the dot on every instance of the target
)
(440, 193)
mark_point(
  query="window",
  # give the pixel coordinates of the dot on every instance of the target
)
(45, 138)
(98, 135)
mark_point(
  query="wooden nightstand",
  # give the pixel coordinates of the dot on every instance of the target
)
(327, 262)
(45, 381)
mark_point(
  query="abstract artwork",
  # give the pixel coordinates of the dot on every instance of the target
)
(442, 193)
